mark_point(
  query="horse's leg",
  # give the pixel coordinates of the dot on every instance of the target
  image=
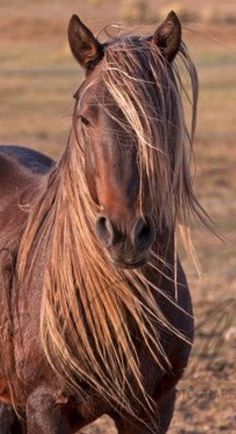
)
(43, 415)
(9, 423)
(164, 416)
(166, 412)
(126, 428)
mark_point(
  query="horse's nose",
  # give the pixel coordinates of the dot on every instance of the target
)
(106, 231)
(143, 233)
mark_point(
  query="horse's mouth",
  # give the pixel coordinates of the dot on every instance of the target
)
(128, 265)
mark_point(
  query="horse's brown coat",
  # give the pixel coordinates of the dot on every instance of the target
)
(30, 197)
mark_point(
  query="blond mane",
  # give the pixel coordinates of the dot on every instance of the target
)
(90, 309)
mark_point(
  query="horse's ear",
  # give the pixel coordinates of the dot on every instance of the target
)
(84, 46)
(168, 36)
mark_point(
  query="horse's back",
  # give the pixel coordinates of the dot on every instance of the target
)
(30, 159)
(21, 173)
(20, 168)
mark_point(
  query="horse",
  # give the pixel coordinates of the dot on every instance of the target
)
(96, 313)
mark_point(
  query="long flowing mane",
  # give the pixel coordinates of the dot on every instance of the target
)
(91, 310)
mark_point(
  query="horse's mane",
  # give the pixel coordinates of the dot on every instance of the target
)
(87, 303)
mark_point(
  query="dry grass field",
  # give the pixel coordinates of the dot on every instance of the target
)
(37, 80)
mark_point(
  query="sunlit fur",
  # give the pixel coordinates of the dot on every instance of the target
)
(89, 307)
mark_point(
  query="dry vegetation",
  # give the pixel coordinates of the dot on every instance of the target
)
(37, 79)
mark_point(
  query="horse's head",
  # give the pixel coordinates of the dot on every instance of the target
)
(128, 119)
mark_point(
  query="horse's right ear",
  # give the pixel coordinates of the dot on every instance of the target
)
(84, 46)
(168, 36)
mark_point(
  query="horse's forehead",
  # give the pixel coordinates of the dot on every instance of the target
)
(96, 101)
(93, 90)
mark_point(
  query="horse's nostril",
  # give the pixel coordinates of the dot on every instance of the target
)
(102, 226)
(143, 233)
(106, 231)
(144, 230)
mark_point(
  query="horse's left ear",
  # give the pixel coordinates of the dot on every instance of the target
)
(85, 47)
(168, 36)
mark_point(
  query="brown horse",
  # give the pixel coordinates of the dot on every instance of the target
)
(95, 309)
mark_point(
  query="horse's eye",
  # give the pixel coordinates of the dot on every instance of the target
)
(84, 121)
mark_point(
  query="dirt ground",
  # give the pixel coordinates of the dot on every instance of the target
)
(37, 80)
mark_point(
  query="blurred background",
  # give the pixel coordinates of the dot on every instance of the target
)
(38, 77)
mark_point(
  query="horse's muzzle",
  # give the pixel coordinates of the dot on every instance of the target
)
(130, 247)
